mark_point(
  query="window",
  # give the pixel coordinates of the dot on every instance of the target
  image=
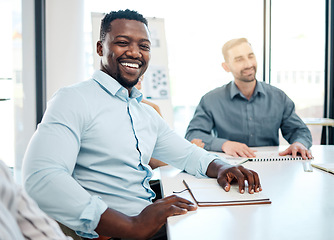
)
(8, 37)
(298, 55)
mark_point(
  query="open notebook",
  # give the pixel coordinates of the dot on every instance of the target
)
(266, 155)
(207, 192)
(328, 167)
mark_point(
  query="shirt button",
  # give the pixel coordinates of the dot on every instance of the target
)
(250, 119)
(123, 91)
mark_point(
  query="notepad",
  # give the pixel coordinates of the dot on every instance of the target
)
(207, 192)
(260, 156)
(328, 167)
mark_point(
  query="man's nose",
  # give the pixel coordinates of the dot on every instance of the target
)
(249, 63)
(134, 51)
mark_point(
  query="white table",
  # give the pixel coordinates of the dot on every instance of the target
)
(302, 205)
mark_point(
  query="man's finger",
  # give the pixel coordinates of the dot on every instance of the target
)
(172, 199)
(294, 152)
(189, 207)
(223, 182)
(249, 176)
(234, 154)
(303, 153)
(250, 153)
(309, 154)
(258, 187)
(257, 184)
(240, 178)
(175, 210)
(241, 154)
(285, 152)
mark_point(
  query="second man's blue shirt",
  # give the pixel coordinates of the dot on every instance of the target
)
(225, 114)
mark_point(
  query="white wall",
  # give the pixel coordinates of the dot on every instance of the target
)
(64, 44)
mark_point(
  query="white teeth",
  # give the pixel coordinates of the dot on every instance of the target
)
(133, 65)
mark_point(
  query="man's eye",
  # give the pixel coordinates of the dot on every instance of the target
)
(145, 47)
(122, 43)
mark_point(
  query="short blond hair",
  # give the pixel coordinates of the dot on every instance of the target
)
(232, 43)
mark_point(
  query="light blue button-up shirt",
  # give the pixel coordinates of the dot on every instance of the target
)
(226, 114)
(92, 149)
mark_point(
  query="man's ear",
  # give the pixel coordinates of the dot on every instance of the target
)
(225, 66)
(99, 48)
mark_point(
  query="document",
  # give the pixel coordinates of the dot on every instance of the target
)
(327, 167)
(207, 192)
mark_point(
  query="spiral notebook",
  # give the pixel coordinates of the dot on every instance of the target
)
(207, 192)
(263, 155)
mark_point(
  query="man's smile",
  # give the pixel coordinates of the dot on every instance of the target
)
(131, 65)
(248, 71)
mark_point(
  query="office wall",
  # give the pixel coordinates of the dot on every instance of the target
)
(64, 44)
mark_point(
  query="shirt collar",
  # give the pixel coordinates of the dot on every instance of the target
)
(258, 90)
(113, 87)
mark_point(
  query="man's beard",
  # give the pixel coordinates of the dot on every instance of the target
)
(125, 83)
(248, 78)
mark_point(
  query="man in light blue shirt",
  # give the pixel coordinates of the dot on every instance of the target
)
(247, 113)
(87, 163)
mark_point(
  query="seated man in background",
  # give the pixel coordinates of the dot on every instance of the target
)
(87, 163)
(20, 217)
(247, 113)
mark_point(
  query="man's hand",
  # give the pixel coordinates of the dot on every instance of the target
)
(226, 173)
(147, 223)
(237, 149)
(198, 142)
(296, 148)
(154, 216)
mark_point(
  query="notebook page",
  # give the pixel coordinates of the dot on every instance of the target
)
(207, 191)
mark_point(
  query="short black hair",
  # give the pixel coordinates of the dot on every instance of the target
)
(121, 14)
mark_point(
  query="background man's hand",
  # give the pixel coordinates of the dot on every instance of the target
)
(237, 149)
(296, 148)
(198, 142)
